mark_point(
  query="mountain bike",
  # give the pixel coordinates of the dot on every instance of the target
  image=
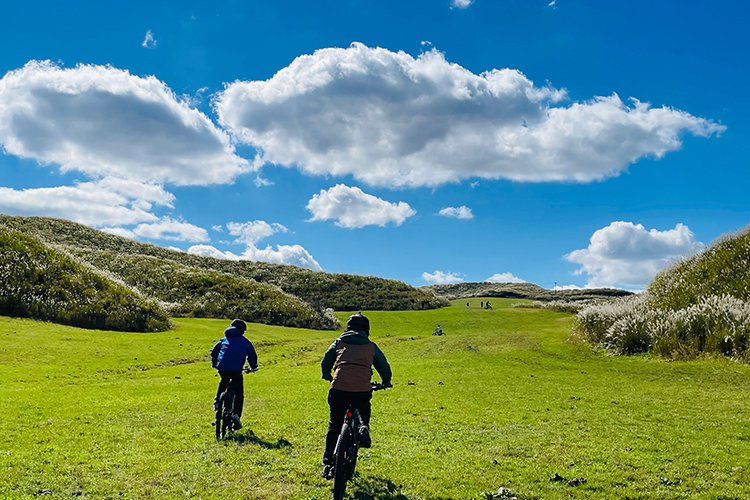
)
(224, 408)
(347, 446)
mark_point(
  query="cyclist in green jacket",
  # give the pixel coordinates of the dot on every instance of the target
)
(351, 357)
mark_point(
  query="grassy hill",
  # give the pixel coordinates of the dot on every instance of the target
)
(502, 400)
(38, 282)
(521, 291)
(190, 285)
(698, 304)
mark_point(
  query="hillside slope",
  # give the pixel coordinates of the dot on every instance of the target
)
(40, 283)
(204, 286)
(721, 269)
(697, 304)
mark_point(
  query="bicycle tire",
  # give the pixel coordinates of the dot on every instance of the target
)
(218, 424)
(224, 414)
(341, 464)
(352, 461)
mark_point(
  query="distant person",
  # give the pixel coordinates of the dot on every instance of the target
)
(351, 357)
(481, 304)
(228, 356)
(467, 304)
(438, 330)
(487, 305)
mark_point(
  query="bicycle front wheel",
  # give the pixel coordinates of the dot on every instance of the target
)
(341, 464)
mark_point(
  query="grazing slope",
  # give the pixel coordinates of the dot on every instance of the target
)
(38, 282)
(502, 400)
(520, 291)
(699, 304)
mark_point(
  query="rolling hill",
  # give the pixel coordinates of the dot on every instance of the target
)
(195, 286)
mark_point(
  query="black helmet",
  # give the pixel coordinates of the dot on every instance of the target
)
(240, 325)
(358, 322)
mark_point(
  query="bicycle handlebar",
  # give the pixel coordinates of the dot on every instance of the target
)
(377, 386)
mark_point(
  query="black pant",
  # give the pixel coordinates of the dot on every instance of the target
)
(338, 402)
(234, 380)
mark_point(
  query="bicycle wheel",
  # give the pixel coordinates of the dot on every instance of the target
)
(218, 422)
(341, 463)
(224, 415)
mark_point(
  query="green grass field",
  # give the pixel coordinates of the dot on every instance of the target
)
(504, 399)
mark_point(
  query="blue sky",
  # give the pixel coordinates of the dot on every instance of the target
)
(571, 143)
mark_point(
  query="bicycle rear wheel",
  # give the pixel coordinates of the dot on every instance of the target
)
(218, 424)
(341, 464)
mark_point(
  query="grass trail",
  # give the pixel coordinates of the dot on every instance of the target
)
(503, 399)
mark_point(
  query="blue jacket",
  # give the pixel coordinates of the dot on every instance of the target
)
(230, 352)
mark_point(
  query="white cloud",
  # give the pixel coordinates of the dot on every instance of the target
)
(504, 278)
(218, 228)
(461, 212)
(210, 251)
(106, 202)
(552, 4)
(103, 121)
(568, 287)
(441, 278)
(251, 233)
(353, 208)
(173, 230)
(294, 255)
(149, 42)
(461, 4)
(626, 254)
(389, 119)
(119, 231)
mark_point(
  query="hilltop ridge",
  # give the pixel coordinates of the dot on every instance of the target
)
(520, 291)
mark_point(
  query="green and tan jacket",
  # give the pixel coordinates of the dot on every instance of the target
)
(351, 357)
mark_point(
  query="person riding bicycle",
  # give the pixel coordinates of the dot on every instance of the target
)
(351, 357)
(228, 356)
(438, 330)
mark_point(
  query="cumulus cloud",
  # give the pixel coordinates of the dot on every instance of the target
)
(461, 212)
(568, 287)
(353, 208)
(390, 119)
(170, 229)
(504, 278)
(107, 202)
(149, 42)
(295, 255)
(249, 234)
(461, 4)
(626, 254)
(119, 231)
(441, 278)
(103, 121)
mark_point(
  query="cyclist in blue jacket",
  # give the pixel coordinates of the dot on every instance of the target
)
(228, 356)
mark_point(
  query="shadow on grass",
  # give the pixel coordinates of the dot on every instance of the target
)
(249, 437)
(374, 488)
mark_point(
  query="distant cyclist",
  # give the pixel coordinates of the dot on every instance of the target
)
(228, 356)
(351, 357)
